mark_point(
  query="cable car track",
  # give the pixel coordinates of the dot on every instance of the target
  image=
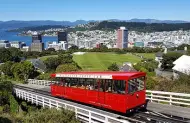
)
(138, 117)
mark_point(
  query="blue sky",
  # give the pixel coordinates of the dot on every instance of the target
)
(72, 10)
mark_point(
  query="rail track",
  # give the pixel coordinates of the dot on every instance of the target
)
(137, 117)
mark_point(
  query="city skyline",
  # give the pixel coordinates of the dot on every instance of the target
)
(72, 10)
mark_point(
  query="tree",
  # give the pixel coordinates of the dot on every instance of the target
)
(67, 67)
(113, 67)
(74, 47)
(23, 70)
(5, 68)
(5, 55)
(65, 58)
(169, 58)
(52, 63)
(51, 49)
(27, 70)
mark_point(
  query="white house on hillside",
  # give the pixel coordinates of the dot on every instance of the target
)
(181, 66)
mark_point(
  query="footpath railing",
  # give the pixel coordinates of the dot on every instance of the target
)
(82, 114)
(40, 82)
(179, 99)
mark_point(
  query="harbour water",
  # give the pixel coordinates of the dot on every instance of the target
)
(12, 36)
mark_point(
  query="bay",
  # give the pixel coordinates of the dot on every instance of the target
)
(12, 36)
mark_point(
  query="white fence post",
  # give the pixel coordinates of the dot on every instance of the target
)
(170, 99)
(151, 96)
(89, 117)
(36, 100)
(50, 103)
(43, 102)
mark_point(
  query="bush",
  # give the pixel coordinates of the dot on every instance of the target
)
(113, 67)
(50, 116)
(14, 107)
(67, 68)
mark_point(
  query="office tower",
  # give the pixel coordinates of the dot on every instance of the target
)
(38, 47)
(62, 36)
(122, 38)
(36, 38)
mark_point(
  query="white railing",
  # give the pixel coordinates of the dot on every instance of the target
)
(81, 113)
(170, 98)
(40, 82)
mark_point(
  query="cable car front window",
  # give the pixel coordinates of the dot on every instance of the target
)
(136, 84)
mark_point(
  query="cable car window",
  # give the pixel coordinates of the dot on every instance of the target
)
(61, 81)
(81, 83)
(132, 86)
(91, 84)
(57, 81)
(74, 82)
(102, 85)
(119, 86)
(109, 86)
(136, 84)
(140, 83)
(67, 82)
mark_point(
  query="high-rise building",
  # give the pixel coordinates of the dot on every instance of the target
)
(36, 38)
(39, 47)
(122, 38)
(62, 36)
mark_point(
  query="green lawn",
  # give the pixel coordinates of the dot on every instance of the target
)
(147, 55)
(100, 61)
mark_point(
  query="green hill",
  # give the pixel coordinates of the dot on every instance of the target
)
(100, 61)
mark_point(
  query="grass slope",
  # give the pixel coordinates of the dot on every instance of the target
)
(100, 61)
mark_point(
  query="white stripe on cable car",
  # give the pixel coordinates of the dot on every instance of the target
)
(84, 76)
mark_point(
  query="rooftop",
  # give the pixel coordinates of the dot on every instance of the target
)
(102, 75)
(182, 65)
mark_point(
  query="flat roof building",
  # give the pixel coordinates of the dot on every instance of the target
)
(16, 44)
(4, 44)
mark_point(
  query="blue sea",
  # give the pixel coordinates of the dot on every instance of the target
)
(12, 36)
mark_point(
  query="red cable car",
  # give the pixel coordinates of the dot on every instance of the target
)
(118, 91)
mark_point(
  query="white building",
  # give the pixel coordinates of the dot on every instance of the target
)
(62, 45)
(16, 44)
(4, 44)
(181, 66)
